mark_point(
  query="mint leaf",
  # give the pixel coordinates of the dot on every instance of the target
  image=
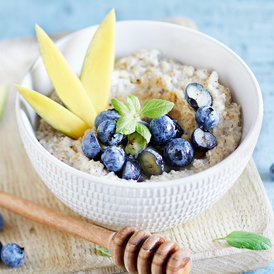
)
(144, 131)
(134, 103)
(130, 107)
(156, 108)
(242, 239)
(119, 106)
(103, 250)
(126, 124)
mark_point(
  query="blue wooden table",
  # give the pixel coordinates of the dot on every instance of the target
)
(246, 26)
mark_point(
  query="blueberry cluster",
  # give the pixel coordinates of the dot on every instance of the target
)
(130, 157)
(206, 116)
(11, 254)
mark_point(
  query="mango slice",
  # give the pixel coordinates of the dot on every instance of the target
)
(65, 81)
(98, 64)
(3, 98)
(54, 114)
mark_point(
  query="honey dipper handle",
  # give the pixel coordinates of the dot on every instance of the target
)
(51, 218)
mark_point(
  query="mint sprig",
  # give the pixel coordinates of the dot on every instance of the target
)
(127, 123)
(242, 239)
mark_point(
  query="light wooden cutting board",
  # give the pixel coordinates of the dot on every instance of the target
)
(244, 207)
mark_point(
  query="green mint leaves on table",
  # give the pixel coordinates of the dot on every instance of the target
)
(103, 250)
(128, 124)
(242, 239)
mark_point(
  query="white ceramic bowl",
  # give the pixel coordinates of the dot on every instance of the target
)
(160, 205)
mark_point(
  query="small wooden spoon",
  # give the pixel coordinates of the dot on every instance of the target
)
(139, 252)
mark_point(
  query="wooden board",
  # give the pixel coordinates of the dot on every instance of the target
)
(244, 207)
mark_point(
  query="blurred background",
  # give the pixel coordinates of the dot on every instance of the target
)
(246, 26)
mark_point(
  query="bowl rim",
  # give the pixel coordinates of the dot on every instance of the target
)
(254, 129)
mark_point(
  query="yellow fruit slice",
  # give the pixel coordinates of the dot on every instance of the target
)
(3, 98)
(54, 114)
(65, 81)
(98, 64)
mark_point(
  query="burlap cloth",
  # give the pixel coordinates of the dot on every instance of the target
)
(244, 207)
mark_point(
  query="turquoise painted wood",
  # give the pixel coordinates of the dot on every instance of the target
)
(246, 26)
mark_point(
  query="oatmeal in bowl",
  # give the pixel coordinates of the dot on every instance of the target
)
(146, 75)
(155, 61)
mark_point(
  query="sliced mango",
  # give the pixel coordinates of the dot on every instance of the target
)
(65, 81)
(3, 98)
(98, 64)
(54, 114)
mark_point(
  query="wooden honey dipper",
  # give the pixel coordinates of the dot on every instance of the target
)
(139, 252)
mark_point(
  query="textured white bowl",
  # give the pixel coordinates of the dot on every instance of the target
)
(160, 205)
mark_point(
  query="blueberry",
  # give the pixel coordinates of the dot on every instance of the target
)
(144, 123)
(1, 221)
(110, 114)
(179, 131)
(203, 140)
(149, 120)
(12, 255)
(160, 151)
(151, 162)
(91, 147)
(136, 143)
(272, 172)
(113, 158)
(178, 153)
(131, 169)
(107, 133)
(0, 248)
(207, 117)
(197, 96)
(164, 129)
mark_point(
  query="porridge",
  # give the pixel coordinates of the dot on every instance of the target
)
(146, 75)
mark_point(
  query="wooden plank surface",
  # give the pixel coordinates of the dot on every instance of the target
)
(244, 207)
